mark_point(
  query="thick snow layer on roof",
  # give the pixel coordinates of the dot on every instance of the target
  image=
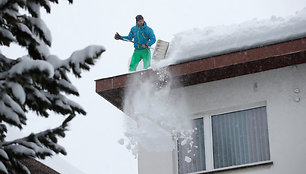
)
(200, 43)
(61, 165)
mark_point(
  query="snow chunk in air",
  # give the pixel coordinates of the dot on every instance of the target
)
(187, 159)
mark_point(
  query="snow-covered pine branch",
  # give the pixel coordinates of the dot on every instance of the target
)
(36, 82)
(40, 145)
(78, 60)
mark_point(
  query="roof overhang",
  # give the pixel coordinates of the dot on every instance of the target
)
(214, 68)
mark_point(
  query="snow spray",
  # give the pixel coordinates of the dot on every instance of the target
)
(157, 115)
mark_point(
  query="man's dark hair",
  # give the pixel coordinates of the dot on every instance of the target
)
(138, 18)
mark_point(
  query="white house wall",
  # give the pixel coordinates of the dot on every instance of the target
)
(282, 90)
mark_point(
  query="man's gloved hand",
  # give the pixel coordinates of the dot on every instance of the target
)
(145, 45)
(117, 36)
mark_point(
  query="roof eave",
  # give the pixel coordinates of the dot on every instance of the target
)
(215, 68)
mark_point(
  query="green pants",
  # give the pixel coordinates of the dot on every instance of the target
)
(138, 55)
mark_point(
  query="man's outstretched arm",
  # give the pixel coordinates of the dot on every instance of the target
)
(130, 36)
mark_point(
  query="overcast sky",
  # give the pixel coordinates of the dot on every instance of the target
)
(92, 141)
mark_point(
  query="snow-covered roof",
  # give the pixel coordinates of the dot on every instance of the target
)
(217, 40)
(61, 165)
(37, 167)
(203, 55)
(54, 165)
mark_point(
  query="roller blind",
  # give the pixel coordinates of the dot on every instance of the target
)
(240, 137)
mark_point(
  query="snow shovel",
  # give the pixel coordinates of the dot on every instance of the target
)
(160, 49)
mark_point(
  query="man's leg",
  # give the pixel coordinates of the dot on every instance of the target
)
(146, 58)
(135, 60)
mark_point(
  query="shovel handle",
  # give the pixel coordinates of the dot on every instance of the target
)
(134, 42)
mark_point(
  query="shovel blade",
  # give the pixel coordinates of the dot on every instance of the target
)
(160, 50)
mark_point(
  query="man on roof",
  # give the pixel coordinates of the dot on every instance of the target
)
(143, 37)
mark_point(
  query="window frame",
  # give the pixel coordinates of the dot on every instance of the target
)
(208, 137)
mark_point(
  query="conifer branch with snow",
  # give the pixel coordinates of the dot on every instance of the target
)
(35, 82)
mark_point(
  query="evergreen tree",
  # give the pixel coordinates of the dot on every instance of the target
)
(35, 82)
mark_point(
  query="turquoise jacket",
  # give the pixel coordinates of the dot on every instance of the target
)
(141, 34)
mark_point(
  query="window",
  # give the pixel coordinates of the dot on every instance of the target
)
(196, 153)
(233, 139)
